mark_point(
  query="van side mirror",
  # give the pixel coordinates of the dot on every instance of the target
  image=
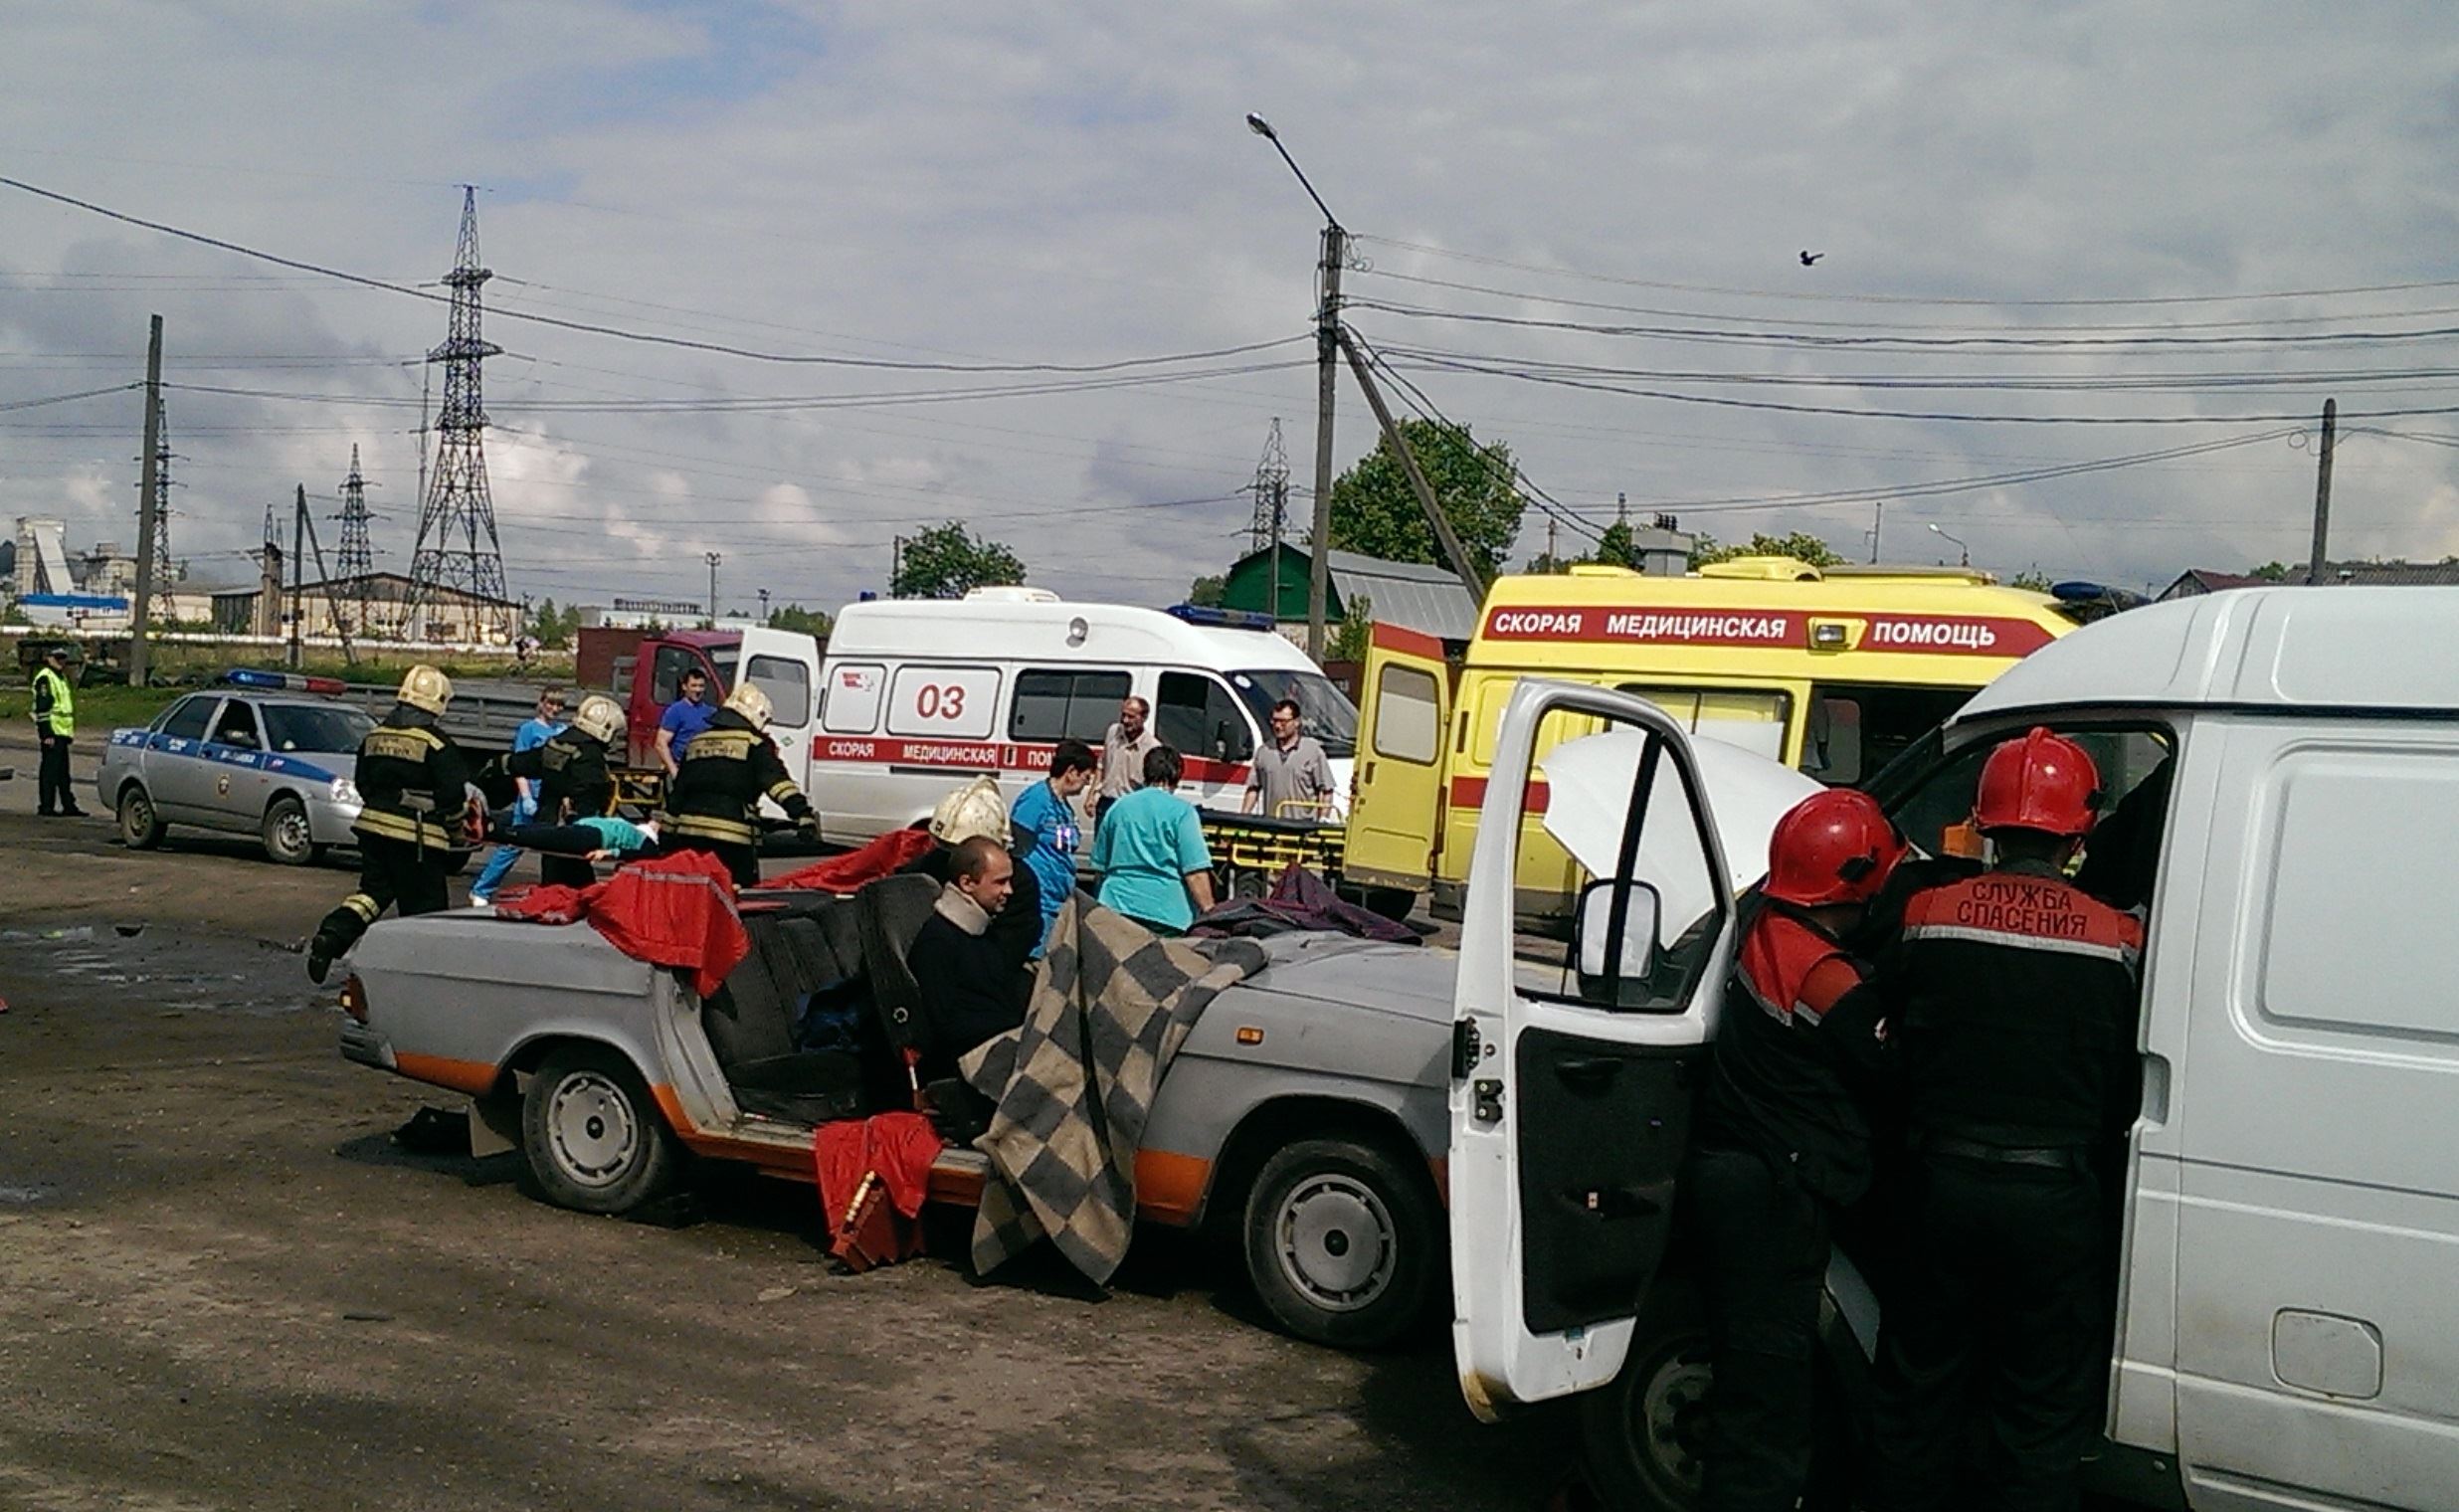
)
(1592, 924)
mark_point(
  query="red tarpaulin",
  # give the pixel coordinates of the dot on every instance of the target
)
(675, 911)
(885, 856)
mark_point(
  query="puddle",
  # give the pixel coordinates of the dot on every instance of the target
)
(19, 1197)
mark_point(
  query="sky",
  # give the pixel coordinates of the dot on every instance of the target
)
(2133, 248)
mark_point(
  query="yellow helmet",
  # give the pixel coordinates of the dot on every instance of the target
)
(753, 704)
(427, 688)
(974, 808)
(600, 717)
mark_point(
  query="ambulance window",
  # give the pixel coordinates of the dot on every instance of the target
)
(1855, 732)
(853, 706)
(1754, 719)
(1408, 715)
(1054, 704)
(788, 685)
(1197, 716)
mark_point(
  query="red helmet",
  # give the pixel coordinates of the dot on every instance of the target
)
(1834, 847)
(2039, 782)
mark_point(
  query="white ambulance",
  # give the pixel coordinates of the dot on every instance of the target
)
(918, 696)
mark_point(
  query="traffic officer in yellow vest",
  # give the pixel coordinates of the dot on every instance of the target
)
(414, 786)
(570, 770)
(55, 724)
(713, 804)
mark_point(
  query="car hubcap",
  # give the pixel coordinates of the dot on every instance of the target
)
(589, 1119)
(1336, 1241)
(1670, 1419)
(291, 830)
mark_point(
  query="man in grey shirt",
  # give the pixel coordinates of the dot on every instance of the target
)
(1122, 753)
(1291, 770)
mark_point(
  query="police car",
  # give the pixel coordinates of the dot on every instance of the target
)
(264, 755)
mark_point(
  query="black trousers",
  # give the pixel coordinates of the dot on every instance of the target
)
(53, 791)
(563, 851)
(1998, 1318)
(1762, 1262)
(392, 872)
(742, 861)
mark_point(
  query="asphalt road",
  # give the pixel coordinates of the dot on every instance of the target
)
(223, 1286)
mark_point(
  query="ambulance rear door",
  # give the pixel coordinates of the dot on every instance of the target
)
(1395, 814)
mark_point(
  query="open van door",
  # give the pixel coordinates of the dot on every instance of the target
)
(1573, 1071)
(1397, 811)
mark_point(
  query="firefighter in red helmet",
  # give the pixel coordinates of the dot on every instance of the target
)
(1783, 1141)
(2012, 999)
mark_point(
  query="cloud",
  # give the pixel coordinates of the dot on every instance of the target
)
(1072, 184)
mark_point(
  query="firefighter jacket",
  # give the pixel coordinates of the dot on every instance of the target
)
(2014, 1001)
(1798, 1056)
(725, 772)
(412, 781)
(55, 705)
(571, 772)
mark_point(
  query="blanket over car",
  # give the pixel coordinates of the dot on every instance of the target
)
(1074, 1086)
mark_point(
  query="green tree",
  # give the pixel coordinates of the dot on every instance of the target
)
(1374, 512)
(2270, 572)
(946, 561)
(554, 627)
(1347, 641)
(1801, 545)
(1208, 592)
(2032, 578)
(811, 622)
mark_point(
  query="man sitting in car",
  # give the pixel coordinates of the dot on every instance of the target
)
(972, 977)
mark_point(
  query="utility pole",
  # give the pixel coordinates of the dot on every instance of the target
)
(147, 504)
(763, 597)
(1471, 576)
(298, 573)
(897, 563)
(1878, 521)
(1554, 559)
(712, 558)
(2322, 495)
(1327, 384)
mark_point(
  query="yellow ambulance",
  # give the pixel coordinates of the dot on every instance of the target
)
(1833, 670)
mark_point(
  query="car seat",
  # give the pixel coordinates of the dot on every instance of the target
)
(750, 1021)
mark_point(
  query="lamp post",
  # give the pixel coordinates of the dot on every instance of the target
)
(1327, 355)
(1964, 554)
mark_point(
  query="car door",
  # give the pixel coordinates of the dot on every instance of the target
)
(1395, 814)
(1573, 1070)
(179, 771)
(234, 773)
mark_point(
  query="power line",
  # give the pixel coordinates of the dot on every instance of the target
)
(1848, 298)
(649, 337)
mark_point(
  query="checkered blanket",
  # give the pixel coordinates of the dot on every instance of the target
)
(1111, 1004)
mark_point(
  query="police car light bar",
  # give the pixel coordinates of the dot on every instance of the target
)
(1222, 619)
(291, 683)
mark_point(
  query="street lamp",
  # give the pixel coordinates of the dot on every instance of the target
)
(1961, 549)
(1327, 354)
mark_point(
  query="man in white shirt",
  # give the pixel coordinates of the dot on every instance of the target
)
(1122, 753)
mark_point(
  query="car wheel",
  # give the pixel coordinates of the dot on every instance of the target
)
(140, 827)
(1642, 1434)
(288, 836)
(595, 1141)
(1342, 1242)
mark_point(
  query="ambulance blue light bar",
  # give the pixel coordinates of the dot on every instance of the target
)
(1222, 618)
(289, 682)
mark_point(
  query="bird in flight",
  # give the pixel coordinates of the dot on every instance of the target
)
(1808, 256)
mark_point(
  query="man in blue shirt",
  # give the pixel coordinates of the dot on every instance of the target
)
(684, 719)
(533, 735)
(1047, 810)
(1155, 868)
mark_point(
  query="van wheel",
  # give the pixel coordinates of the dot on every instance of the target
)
(594, 1140)
(1642, 1436)
(141, 827)
(1393, 904)
(288, 836)
(1342, 1242)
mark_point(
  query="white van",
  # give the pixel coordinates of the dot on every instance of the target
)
(2281, 774)
(918, 696)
